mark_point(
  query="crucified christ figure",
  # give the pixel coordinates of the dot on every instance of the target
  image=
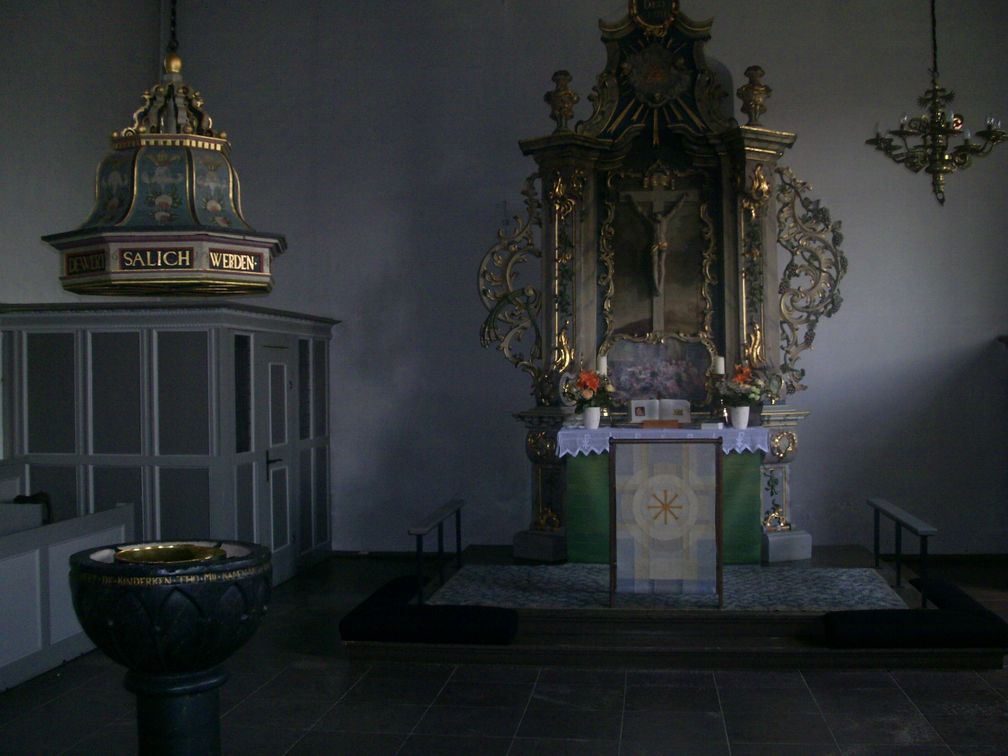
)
(659, 245)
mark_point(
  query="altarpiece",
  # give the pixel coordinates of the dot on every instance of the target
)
(652, 235)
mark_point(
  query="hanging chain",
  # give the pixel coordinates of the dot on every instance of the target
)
(173, 28)
(934, 43)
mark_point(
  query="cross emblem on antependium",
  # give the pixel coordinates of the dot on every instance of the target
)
(664, 506)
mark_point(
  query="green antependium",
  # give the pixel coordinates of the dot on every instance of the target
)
(167, 217)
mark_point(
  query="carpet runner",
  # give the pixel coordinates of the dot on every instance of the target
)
(746, 588)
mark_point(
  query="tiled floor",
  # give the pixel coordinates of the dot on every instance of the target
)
(292, 692)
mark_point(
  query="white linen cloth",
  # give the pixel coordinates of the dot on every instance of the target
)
(574, 441)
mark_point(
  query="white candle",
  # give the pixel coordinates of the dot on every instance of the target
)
(602, 364)
(719, 365)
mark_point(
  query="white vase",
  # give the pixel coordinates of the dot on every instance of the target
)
(739, 417)
(592, 415)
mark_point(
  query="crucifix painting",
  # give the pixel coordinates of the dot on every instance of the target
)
(660, 239)
(658, 250)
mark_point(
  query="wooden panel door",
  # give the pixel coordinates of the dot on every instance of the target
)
(275, 381)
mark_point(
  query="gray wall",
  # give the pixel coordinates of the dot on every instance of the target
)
(381, 138)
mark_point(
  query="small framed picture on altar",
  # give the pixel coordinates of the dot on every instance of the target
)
(644, 409)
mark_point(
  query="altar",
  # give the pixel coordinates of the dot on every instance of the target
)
(661, 249)
(586, 499)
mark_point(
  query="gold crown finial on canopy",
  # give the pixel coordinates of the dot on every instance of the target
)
(170, 107)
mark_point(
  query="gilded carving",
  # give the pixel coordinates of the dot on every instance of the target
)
(658, 176)
(753, 351)
(774, 519)
(754, 94)
(754, 197)
(566, 192)
(757, 193)
(514, 308)
(657, 75)
(709, 96)
(604, 98)
(561, 100)
(171, 107)
(809, 287)
(777, 498)
(783, 444)
(656, 80)
(540, 446)
(546, 519)
(655, 17)
(709, 277)
(607, 257)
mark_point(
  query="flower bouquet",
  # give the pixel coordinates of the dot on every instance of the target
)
(743, 389)
(591, 391)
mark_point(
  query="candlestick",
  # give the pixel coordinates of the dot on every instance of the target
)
(718, 365)
(601, 364)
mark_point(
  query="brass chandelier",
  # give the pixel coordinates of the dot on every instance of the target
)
(924, 142)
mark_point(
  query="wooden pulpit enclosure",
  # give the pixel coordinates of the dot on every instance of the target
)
(659, 232)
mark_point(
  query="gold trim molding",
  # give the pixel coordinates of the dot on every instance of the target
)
(754, 197)
(565, 194)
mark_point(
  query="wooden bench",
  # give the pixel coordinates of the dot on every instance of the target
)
(436, 519)
(915, 525)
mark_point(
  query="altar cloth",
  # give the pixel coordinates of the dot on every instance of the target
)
(586, 499)
(575, 441)
(586, 508)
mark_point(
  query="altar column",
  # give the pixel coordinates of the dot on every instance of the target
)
(567, 176)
